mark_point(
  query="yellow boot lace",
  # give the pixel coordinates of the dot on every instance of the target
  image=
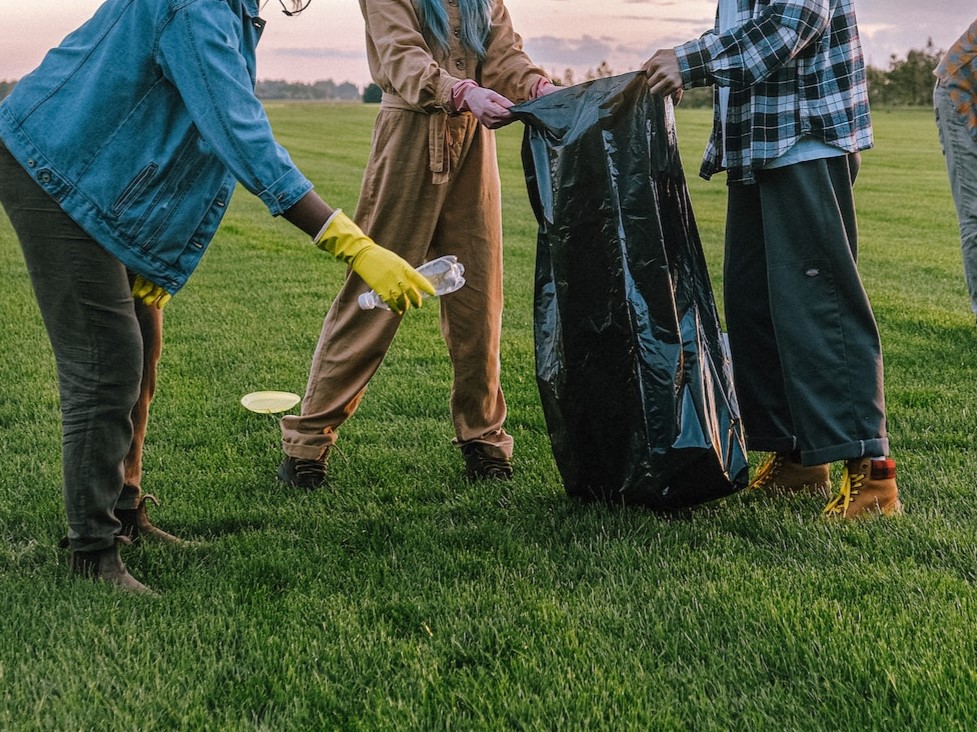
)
(768, 471)
(850, 485)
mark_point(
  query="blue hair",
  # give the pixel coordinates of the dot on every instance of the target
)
(476, 22)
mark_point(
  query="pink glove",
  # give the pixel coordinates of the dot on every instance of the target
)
(543, 87)
(489, 108)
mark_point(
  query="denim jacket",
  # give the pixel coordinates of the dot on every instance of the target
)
(139, 123)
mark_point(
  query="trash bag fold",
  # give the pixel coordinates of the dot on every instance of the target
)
(632, 369)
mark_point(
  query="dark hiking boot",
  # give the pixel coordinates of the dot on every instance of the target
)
(105, 565)
(480, 464)
(304, 473)
(782, 475)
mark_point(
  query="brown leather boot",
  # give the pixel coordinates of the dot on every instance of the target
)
(106, 565)
(137, 526)
(782, 475)
(868, 488)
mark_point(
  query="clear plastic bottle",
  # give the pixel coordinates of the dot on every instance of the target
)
(445, 273)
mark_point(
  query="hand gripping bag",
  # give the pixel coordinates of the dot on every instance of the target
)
(632, 369)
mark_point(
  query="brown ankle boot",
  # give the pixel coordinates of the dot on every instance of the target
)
(782, 475)
(136, 524)
(106, 565)
(868, 488)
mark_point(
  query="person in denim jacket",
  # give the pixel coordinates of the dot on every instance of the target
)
(791, 116)
(118, 157)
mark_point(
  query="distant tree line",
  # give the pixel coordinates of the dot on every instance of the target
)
(907, 82)
(319, 90)
(373, 94)
(278, 89)
(569, 78)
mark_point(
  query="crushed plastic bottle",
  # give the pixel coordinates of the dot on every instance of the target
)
(445, 273)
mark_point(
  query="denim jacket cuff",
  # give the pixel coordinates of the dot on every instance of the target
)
(285, 192)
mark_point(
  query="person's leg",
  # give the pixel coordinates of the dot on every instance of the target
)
(826, 334)
(131, 507)
(960, 150)
(826, 331)
(757, 372)
(471, 318)
(758, 376)
(84, 298)
(398, 208)
(351, 348)
(150, 321)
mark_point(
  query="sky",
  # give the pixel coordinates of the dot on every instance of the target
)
(326, 41)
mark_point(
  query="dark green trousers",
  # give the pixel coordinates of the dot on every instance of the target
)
(84, 297)
(807, 361)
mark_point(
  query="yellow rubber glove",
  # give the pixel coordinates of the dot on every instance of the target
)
(152, 295)
(398, 284)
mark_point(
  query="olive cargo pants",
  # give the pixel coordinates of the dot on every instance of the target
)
(106, 347)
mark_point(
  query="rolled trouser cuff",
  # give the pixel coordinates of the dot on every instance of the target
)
(877, 447)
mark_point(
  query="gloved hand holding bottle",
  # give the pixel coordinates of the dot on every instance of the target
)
(489, 107)
(397, 283)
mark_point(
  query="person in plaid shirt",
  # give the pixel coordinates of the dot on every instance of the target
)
(791, 116)
(955, 102)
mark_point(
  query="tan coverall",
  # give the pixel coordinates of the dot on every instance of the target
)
(431, 188)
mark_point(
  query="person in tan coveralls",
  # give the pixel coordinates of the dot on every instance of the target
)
(449, 71)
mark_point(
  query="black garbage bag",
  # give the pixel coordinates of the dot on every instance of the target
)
(632, 369)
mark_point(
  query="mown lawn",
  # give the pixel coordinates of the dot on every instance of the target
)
(405, 598)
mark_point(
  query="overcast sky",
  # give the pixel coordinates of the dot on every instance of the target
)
(326, 41)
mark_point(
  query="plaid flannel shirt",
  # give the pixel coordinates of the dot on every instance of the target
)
(793, 67)
(958, 73)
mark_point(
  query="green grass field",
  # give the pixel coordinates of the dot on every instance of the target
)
(405, 598)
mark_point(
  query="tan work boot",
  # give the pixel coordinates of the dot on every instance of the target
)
(782, 475)
(106, 565)
(868, 488)
(136, 524)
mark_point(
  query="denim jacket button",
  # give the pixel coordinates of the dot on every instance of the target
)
(44, 176)
(31, 163)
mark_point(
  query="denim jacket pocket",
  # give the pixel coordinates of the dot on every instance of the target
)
(136, 185)
(180, 221)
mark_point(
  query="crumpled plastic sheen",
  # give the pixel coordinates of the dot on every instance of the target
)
(632, 367)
